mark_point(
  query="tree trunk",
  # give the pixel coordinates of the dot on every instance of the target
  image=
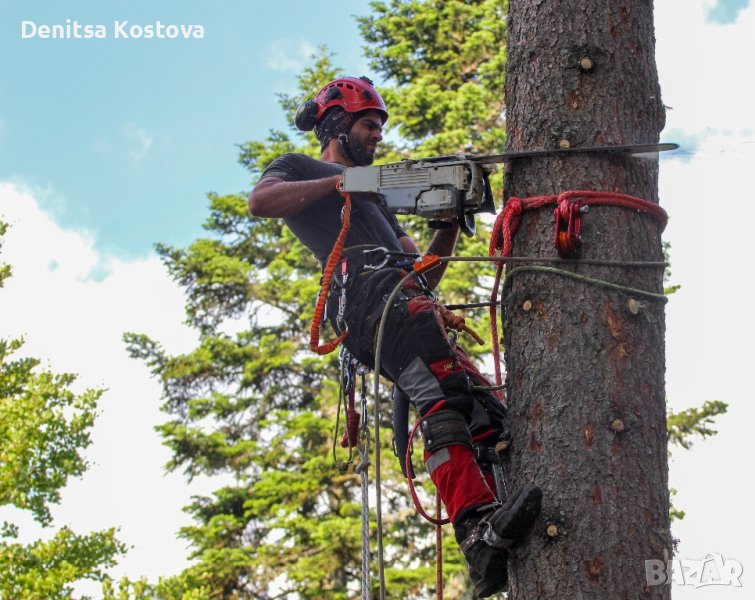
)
(585, 364)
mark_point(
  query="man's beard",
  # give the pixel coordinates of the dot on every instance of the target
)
(360, 153)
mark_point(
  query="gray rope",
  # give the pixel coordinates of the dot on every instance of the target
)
(584, 278)
(376, 396)
(362, 468)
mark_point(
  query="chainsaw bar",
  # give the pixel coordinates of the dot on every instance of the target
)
(486, 159)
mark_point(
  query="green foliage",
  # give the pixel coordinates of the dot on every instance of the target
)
(446, 59)
(682, 426)
(44, 427)
(46, 569)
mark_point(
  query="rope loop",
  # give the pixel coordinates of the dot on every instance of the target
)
(507, 223)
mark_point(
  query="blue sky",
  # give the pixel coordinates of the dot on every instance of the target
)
(108, 146)
(725, 12)
(125, 137)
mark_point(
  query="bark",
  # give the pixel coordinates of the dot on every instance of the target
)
(585, 374)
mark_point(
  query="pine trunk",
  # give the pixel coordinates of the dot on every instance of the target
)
(585, 365)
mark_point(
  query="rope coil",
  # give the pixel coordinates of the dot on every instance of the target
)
(327, 276)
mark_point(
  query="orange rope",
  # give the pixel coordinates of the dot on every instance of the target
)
(327, 275)
(439, 520)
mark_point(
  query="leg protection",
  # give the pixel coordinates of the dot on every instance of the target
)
(451, 463)
(445, 428)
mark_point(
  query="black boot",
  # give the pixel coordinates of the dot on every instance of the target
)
(486, 535)
(486, 565)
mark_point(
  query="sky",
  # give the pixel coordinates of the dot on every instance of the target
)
(108, 146)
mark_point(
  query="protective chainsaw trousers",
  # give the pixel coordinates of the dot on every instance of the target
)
(437, 376)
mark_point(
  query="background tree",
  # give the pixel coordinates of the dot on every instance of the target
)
(251, 403)
(44, 427)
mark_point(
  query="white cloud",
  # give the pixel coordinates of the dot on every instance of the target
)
(709, 357)
(705, 77)
(704, 68)
(289, 55)
(75, 322)
(138, 141)
(132, 140)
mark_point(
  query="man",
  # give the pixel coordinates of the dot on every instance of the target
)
(347, 116)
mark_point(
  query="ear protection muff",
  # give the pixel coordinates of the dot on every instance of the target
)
(306, 116)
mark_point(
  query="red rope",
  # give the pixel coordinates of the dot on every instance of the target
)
(417, 504)
(327, 275)
(507, 222)
(438, 550)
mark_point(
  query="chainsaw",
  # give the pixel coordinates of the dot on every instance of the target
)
(453, 185)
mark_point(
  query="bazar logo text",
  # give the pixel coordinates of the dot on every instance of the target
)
(125, 30)
(713, 569)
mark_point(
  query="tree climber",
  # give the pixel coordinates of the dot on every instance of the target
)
(347, 116)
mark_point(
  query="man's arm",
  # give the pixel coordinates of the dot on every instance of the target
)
(442, 244)
(274, 197)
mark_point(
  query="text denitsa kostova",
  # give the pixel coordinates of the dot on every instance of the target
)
(125, 30)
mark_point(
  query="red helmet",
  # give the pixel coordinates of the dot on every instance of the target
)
(350, 93)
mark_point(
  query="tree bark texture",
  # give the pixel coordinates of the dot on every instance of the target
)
(584, 364)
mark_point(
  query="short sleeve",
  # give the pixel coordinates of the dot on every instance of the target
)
(284, 167)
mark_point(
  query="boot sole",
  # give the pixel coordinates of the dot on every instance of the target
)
(514, 518)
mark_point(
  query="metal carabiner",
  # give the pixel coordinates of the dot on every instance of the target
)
(382, 263)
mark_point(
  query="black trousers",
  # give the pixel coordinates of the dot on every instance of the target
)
(417, 354)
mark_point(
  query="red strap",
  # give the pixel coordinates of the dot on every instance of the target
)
(507, 222)
(351, 432)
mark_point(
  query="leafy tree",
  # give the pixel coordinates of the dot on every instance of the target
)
(44, 427)
(250, 401)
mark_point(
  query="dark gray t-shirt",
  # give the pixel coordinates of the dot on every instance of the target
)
(317, 226)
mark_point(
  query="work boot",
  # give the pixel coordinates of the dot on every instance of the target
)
(486, 565)
(485, 537)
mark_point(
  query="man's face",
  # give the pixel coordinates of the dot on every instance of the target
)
(364, 137)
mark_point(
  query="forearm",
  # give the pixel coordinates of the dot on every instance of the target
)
(276, 198)
(442, 244)
(444, 241)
